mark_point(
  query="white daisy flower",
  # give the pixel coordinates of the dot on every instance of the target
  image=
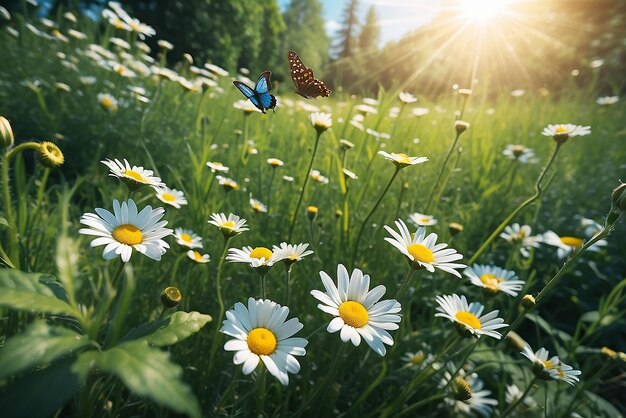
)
(257, 206)
(562, 132)
(607, 100)
(469, 317)
(520, 153)
(417, 359)
(365, 109)
(217, 166)
(227, 183)
(551, 368)
(187, 238)
(358, 311)
(422, 250)
(402, 160)
(349, 174)
(321, 121)
(566, 245)
(406, 97)
(288, 178)
(420, 219)
(469, 395)
(370, 101)
(512, 395)
(108, 102)
(126, 229)
(317, 176)
(216, 69)
(275, 162)
(133, 176)
(494, 279)
(197, 257)
(256, 257)
(172, 197)
(292, 253)
(230, 226)
(261, 333)
(590, 227)
(521, 236)
(420, 111)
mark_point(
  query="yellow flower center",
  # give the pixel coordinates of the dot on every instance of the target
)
(418, 358)
(561, 130)
(127, 234)
(491, 281)
(518, 150)
(548, 365)
(106, 102)
(185, 237)
(261, 252)
(228, 224)
(421, 253)
(261, 341)
(168, 197)
(135, 26)
(197, 256)
(133, 174)
(572, 241)
(468, 319)
(402, 158)
(121, 69)
(353, 314)
(424, 220)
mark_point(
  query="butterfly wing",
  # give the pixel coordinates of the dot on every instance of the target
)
(264, 83)
(306, 84)
(258, 100)
(268, 101)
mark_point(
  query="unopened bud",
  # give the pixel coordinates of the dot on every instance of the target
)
(345, 144)
(50, 155)
(311, 212)
(608, 353)
(188, 58)
(462, 389)
(515, 340)
(455, 228)
(338, 213)
(461, 126)
(528, 301)
(171, 296)
(619, 197)
(6, 134)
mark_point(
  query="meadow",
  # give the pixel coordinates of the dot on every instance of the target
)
(121, 315)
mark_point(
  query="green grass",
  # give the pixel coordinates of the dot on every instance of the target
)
(178, 131)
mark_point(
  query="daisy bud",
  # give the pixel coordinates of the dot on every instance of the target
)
(528, 301)
(170, 297)
(465, 92)
(338, 213)
(345, 144)
(462, 389)
(188, 58)
(608, 353)
(515, 340)
(460, 126)
(6, 134)
(619, 198)
(405, 185)
(311, 212)
(455, 228)
(321, 122)
(622, 356)
(50, 155)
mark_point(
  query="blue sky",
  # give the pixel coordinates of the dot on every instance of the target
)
(397, 17)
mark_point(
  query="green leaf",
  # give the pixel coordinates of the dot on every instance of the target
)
(4, 222)
(171, 330)
(31, 292)
(40, 394)
(40, 344)
(147, 371)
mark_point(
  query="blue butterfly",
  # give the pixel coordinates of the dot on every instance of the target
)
(260, 96)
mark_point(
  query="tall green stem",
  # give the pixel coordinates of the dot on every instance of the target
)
(8, 210)
(557, 277)
(538, 193)
(220, 301)
(369, 215)
(306, 180)
(436, 187)
(405, 283)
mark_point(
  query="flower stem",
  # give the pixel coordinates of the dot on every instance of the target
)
(8, 210)
(436, 187)
(512, 406)
(220, 301)
(538, 193)
(405, 283)
(557, 277)
(306, 180)
(287, 283)
(369, 215)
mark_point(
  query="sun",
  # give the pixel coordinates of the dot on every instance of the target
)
(482, 11)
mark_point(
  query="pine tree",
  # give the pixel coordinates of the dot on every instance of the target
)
(305, 33)
(346, 34)
(369, 37)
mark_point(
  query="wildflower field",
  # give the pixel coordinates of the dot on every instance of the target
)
(169, 247)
